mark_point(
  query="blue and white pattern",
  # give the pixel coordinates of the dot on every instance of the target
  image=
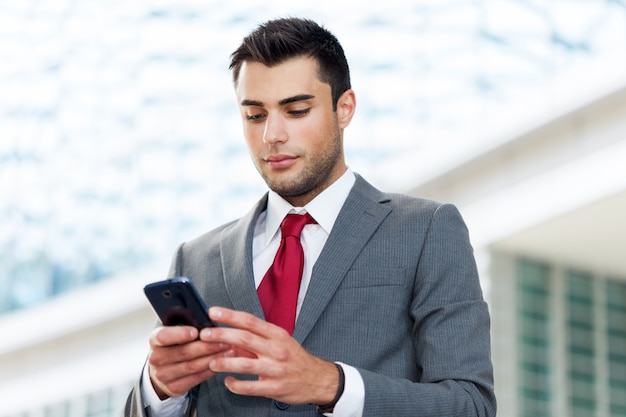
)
(120, 136)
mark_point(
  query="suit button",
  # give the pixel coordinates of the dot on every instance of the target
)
(281, 405)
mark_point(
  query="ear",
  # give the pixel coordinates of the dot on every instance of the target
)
(346, 106)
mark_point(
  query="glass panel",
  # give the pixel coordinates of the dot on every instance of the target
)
(616, 344)
(534, 337)
(581, 343)
(99, 404)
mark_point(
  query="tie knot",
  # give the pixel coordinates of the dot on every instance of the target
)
(293, 224)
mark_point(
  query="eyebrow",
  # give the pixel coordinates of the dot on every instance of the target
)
(299, 97)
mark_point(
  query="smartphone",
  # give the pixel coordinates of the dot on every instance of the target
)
(177, 303)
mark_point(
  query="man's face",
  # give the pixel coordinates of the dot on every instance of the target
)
(292, 132)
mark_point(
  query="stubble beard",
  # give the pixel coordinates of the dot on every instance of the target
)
(314, 177)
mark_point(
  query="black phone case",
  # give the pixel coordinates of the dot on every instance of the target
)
(177, 302)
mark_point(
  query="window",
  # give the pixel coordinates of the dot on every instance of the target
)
(572, 342)
(581, 343)
(534, 338)
(616, 346)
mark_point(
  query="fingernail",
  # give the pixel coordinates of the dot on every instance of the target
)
(215, 312)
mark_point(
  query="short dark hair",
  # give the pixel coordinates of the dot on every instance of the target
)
(276, 41)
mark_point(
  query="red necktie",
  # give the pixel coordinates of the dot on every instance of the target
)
(278, 291)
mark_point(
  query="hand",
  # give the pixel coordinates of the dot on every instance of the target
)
(179, 361)
(286, 371)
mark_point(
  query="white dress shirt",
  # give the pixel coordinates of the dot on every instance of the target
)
(324, 209)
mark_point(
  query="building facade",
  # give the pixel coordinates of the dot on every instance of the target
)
(545, 208)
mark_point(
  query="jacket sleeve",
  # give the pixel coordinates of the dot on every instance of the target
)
(451, 334)
(135, 407)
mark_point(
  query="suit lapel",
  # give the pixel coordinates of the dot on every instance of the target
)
(236, 254)
(359, 218)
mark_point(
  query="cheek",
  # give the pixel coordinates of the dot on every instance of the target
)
(315, 130)
(322, 133)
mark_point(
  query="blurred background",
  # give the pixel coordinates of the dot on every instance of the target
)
(120, 138)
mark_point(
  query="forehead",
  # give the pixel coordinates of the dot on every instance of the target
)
(271, 84)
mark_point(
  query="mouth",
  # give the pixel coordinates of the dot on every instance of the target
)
(280, 161)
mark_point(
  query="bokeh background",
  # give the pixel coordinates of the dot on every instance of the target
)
(120, 136)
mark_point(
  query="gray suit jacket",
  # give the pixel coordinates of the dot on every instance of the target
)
(394, 293)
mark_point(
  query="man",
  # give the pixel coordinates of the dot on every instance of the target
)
(390, 316)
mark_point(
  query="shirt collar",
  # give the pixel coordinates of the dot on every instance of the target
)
(324, 208)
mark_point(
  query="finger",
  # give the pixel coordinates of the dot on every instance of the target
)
(172, 371)
(239, 365)
(243, 340)
(318, 385)
(173, 335)
(176, 378)
(243, 320)
(163, 355)
(175, 384)
(239, 352)
(252, 388)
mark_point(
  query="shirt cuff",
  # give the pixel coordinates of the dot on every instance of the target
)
(170, 407)
(353, 398)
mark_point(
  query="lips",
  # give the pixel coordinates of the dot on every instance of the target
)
(280, 161)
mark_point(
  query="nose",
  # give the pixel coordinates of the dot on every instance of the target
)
(275, 129)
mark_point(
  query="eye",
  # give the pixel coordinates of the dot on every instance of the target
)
(300, 112)
(256, 117)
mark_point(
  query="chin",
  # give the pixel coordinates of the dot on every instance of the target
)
(286, 188)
